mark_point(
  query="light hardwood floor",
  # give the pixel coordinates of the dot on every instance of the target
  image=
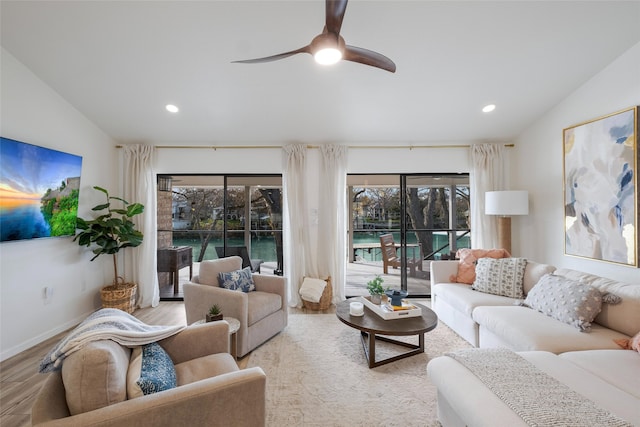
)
(20, 380)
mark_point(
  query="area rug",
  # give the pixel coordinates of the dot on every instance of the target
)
(317, 375)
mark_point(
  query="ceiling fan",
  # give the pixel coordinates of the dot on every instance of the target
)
(329, 47)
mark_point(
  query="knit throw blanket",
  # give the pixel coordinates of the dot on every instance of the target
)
(538, 398)
(106, 323)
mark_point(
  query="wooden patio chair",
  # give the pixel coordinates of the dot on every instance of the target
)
(242, 252)
(390, 256)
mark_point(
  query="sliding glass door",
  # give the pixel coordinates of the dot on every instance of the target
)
(222, 215)
(424, 215)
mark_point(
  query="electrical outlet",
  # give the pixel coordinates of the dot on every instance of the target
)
(48, 294)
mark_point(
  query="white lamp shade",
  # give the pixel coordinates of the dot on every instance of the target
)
(506, 203)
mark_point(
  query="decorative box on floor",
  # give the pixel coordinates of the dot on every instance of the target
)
(311, 289)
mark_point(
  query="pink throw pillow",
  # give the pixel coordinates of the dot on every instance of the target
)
(630, 344)
(468, 257)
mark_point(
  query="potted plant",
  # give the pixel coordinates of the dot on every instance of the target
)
(376, 289)
(110, 232)
(214, 314)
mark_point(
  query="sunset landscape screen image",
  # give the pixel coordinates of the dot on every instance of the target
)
(39, 190)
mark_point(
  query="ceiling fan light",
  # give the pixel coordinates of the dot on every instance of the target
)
(328, 56)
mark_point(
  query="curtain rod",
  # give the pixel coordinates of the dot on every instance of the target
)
(270, 147)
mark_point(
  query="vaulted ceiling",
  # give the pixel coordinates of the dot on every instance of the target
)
(121, 62)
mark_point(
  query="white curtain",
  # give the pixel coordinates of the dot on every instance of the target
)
(297, 262)
(140, 264)
(486, 175)
(332, 257)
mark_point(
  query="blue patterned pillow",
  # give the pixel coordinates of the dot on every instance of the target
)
(239, 280)
(151, 370)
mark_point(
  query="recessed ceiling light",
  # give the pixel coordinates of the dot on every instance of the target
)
(172, 108)
(488, 108)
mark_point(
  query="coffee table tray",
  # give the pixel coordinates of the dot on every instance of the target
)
(388, 313)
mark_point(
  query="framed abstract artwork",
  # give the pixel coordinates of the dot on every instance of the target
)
(39, 191)
(601, 206)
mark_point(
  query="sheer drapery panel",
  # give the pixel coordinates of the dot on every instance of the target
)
(140, 264)
(332, 212)
(487, 174)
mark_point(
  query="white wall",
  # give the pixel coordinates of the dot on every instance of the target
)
(537, 166)
(32, 112)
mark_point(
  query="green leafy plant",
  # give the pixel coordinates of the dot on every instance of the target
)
(112, 231)
(215, 313)
(375, 286)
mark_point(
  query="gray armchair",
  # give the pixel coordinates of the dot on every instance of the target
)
(91, 388)
(262, 313)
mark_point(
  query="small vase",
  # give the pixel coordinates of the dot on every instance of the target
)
(376, 299)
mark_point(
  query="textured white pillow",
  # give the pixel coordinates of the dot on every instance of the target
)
(504, 276)
(566, 300)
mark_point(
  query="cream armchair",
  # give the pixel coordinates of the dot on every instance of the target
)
(262, 313)
(91, 388)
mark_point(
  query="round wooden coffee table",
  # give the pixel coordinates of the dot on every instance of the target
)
(371, 326)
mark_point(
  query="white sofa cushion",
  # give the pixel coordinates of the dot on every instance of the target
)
(464, 299)
(486, 409)
(619, 367)
(523, 329)
(533, 272)
(604, 393)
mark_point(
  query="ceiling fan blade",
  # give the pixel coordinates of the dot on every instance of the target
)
(368, 57)
(335, 15)
(305, 49)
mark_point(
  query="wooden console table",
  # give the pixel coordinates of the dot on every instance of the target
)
(172, 260)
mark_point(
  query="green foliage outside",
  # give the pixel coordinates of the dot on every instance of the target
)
(61, 215)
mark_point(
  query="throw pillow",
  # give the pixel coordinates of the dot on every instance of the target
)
(503, 276)
(239, 280)
(632, 343)
(467, 266)
(565, 300)
(95, 376)
(150, 370)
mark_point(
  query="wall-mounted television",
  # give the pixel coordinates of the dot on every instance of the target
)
(39, 191)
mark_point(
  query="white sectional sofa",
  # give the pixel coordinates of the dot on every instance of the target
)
(590, 363)
(487, 320)
(609, 378)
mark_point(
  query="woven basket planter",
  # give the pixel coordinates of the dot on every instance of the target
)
(121, 296)
(325, 299)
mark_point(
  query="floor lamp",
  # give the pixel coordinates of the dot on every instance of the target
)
(505, 204)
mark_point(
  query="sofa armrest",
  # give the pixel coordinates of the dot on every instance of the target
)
(199, 298)
(441, 271)
(51, 402)
(271, 284)
(197, 341)
(236, 398)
